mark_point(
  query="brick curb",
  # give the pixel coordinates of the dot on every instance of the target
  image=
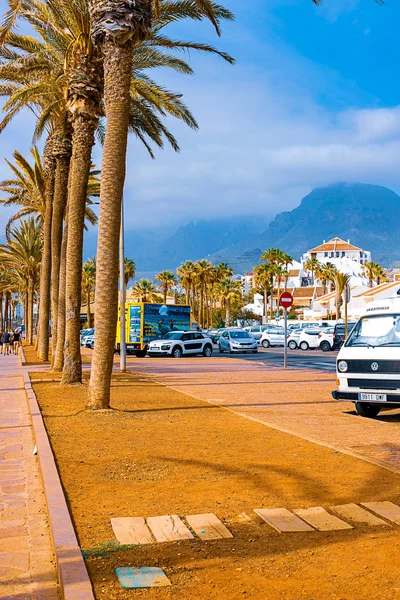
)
(72, 573)
(21, 356)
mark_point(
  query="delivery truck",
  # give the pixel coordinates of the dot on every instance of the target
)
(145, 322)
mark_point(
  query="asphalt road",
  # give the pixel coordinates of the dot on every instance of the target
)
(306, 359)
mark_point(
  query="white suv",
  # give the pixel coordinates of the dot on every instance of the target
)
(309, 338)
(326, 339)
(180, 343)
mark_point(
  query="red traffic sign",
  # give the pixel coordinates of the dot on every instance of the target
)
(286, 300)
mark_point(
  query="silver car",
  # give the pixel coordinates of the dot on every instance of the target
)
(237, 340)
(256, 331)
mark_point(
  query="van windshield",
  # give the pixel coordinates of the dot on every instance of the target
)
(376, 331)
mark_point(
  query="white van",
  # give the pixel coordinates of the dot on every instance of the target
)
(368, 364)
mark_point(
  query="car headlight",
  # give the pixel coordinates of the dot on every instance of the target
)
(342, 366)
(165, 346)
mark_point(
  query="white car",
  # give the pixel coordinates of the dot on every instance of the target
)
(181, 343)
(89, 341)
(237, 340)
(325, 339)
(293, 339)
(273, 337)
(309, 338)
(257, 330)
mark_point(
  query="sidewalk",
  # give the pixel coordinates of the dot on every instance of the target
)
(27, 567)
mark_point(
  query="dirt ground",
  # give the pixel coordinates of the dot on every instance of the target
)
(162, 452)
(32, 359)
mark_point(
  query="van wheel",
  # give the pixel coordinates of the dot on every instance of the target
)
(141, 353)
(265, 344)
(304, 346)
(325, 346)
(207, 351)
(367, 410)
(292, 345)
(177, 352)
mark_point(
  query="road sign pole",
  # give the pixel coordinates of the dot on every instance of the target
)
(285, 346)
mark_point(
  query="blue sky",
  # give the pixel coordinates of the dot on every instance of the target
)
(313, 99)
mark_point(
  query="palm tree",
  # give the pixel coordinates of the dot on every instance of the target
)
(144, 291)
(22, 254)
(116, 28)
(187, 273)
(264, 280)
(341, 283)
(312, 266)
(129, 270)
(88, 285)
(368, 271)
(204, 269)
(380, 274)
(167, 280)
(229, 290)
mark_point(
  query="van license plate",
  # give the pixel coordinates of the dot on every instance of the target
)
(372, 397)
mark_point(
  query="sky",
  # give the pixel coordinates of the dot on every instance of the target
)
(314, 98)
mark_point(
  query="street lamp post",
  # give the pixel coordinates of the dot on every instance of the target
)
(122, 344)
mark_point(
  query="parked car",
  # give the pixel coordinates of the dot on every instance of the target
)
(89, 341)
(293, 339)
(181, 343)
(325, 339)
(257, 330)
(220, 331)
(211, 333)
(309, 338)
(273, 337)
(84, 334)
(338, 334)
(237, 340)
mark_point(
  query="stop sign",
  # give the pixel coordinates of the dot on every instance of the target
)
(286, 300)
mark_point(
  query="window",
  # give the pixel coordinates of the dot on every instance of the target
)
(380, 330)
(325, 254)
(240, 334)
(187, 337)
(343, 253)
(197, 336)
(337, 254)
(255, 329)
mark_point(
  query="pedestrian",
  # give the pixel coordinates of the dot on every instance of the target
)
(6, 342)
(1, 342)
(16, 341)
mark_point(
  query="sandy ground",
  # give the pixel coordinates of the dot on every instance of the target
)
(162, 452)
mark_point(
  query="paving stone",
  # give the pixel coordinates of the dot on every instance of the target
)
(355, 513)
(388, 510)
(145, 577)
(282, 520)
(319, 518)
(169, 528)
(208, 527)
(132, 530)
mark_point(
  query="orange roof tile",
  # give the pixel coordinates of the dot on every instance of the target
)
(304, 292)
(294, 273)
(333, 245)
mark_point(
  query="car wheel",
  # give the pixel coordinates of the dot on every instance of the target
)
(230, 350)
(220, 349)
(177, 352)
(292, 345)
(325, 346)
(207, 351)
(367, 410)
(304, 346)
(265, 344)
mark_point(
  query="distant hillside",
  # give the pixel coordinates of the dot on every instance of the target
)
(369, 215)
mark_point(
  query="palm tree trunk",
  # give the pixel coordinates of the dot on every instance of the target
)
(346, 326)
(30, 312)
(1, 313)
(165, 294)
(201, 301)
(82, 143)
(25, 313)
(89, 314)
(63, 156)
(59, 352)
(266, 304)
(228, 314)
(117, 73)
(45, 266)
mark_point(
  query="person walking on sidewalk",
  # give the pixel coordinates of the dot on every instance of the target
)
(16, 341)
(1, 342)
(6, 342)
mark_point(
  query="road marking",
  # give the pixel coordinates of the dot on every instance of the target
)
(131, 530)
(282, 520)
(208, 527)
(319, 518)
(169, 528)
(357, 514)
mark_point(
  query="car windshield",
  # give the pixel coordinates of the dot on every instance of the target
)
(376, 331)
(172, 335)
(239, 334)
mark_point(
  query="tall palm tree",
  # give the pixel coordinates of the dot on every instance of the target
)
(229, 290)
(88, 285)
(380, 275)
(117, 28)
(22, 254)
(368, 271)
(204, 270)
(341, 282)
(167, 280)
(312, 265)
(129, 270)
(263, 275)
(326, 273)
(144, 291)
(187, 273)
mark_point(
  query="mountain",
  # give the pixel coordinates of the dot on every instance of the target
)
(368, 215)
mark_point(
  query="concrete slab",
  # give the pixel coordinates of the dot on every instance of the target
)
(132, 530)
(388, 510)
(208, 527)
(282, 520)
(169, 528)
(319, 518)
(355, 513)
(145, 577)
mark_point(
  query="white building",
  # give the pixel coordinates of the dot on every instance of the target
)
(247, 281)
